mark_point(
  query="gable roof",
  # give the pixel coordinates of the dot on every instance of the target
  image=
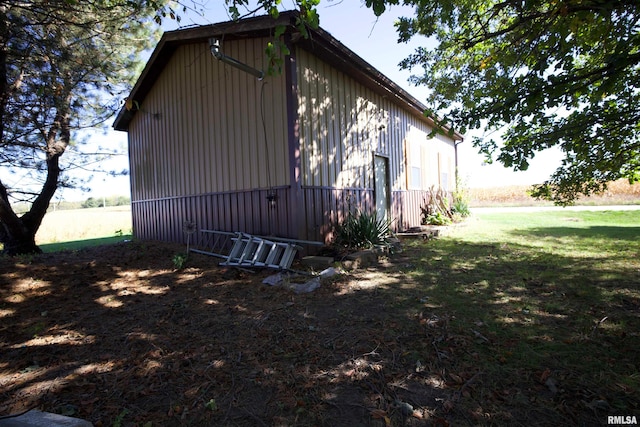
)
(320, 42)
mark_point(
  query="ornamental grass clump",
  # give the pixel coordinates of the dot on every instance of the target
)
(363, 230)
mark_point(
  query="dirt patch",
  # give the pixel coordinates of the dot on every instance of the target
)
(115, 334)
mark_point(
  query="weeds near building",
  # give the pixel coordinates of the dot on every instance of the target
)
(438, 209)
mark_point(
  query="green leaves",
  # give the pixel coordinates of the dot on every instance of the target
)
(66, 66)
(363, 230)
(211, 405)
(277, 49)
(68, 60)
(379, 6)
(553, 74)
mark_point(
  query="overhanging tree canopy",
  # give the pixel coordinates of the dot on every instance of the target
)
(551, 73)
(548, 73)
(539, 73)
(62, 65)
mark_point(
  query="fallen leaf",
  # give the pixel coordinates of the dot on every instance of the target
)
(545, 374)
(89, 401)
(456, 378)
(448, 405)
(380, 414)
(441, 422)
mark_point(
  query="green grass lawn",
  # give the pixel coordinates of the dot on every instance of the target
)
(74, 229)
(75, 245)
(508, 319)
(544, 309)
(77, 228)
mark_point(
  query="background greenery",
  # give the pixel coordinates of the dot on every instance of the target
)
(534, 314)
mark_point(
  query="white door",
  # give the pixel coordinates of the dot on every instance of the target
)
(381, 177)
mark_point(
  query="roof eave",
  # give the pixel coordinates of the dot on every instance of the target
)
(249, 27)
(320, 41)
(344, 58)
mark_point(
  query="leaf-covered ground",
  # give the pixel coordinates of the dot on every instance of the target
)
(117, 336)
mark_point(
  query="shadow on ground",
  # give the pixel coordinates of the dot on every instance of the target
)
(432, 336)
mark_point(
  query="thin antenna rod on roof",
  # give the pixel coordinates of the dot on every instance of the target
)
(214, 45)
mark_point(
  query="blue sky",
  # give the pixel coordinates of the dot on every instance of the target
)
(375, 40)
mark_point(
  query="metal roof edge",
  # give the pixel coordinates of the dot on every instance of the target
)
(169, 42)
(332, 50)
(345, 58)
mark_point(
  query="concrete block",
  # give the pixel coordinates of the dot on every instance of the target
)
(361, 259)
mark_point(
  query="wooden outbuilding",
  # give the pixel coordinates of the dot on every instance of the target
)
(284, 155)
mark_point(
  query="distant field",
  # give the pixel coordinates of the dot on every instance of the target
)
(97, 223)
(84, 224)
(619, 193)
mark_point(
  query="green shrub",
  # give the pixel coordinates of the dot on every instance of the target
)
(180, 260)
(436, 210)
(437, 218)
(106, 201)
(91, 203)
(363, 230)
(460, 205)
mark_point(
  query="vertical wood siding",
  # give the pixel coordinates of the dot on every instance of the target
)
(325, 207)
(197, 147)
(248, 211)
(342, 124)
(405, 208)
(200, 129)
(198, 151)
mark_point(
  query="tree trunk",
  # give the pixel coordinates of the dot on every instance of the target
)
(24, 246)
(15, 235)
(3, 67)
(21, 243)
(18, 233)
